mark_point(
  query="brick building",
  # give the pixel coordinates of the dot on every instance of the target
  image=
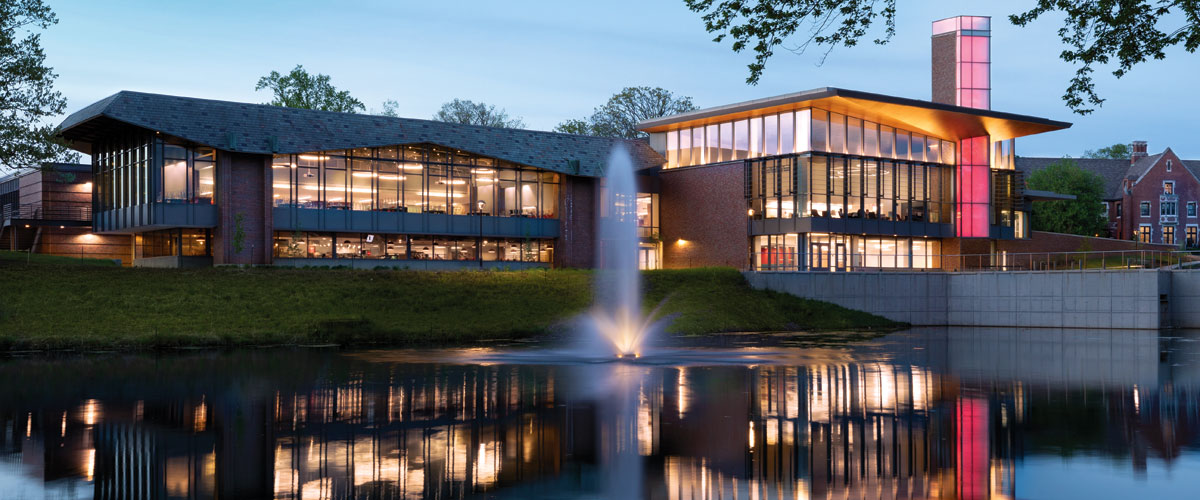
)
(1148, 198)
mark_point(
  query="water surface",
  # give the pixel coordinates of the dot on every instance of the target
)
(944, 413)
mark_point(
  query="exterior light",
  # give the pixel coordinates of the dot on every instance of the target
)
(681, 242)
(750, 212)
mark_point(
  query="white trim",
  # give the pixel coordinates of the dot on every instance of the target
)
(1147, 212)
(1191, 209)
(1174, 234)
(1105, 209)
(1168, 165)
(1164, 187)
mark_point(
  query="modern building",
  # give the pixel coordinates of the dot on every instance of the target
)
(202, 182)
(839, 179)
(826, 179)
(1149, 199)
(49, 211)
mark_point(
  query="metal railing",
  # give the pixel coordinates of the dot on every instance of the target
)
(76, 212)
(1024, 261)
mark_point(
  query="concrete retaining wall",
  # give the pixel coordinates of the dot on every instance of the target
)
(1138, 299)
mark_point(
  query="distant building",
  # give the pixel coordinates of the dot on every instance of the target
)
(1151, 199)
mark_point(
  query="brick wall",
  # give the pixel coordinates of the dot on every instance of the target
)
(81, 242)
(242, 184)
(705, 207)
(943, 68)
(577, 221)
(1041, 241)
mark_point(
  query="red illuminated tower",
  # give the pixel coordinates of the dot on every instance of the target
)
(962, 77)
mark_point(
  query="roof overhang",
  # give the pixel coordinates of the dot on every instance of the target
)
(1033, 195)
(939, 120)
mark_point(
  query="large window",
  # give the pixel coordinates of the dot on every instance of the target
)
(414, 179)
(1167, 208)
(173, 243)
(122, 171)
(1144, 233)
(188, 174)
(800, 132)
(818, 251)
(820, 185)
(311, 245)
(1191, 236)
(647, 215)
(1168, 235)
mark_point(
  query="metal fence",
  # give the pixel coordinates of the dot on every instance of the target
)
(76, 212)
(1027, 261)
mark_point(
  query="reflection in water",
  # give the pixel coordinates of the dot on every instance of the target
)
(920, 415)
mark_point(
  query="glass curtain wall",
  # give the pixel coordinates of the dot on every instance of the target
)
(122, 171)
(820, 185)
(801, 132)
(817, 251)
(415, 179)
(312, 245)
(173, 242)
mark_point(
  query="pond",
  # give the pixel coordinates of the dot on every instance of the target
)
(937, 413)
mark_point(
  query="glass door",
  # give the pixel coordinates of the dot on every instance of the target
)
(818, 256)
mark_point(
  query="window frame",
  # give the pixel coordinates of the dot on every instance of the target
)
(1145, 233)
(1191, 209)
(1167, 184)
(1144, 209)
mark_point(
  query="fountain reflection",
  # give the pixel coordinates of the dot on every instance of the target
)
(893, 418)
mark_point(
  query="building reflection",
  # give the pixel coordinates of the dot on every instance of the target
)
(838, 428)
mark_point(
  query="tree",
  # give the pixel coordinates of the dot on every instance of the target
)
(299, 89)
(27, 95)
(1084, 214)
(390, 108)
(476, 113)
(1095, 32)
(1114, 152)
(620, 115)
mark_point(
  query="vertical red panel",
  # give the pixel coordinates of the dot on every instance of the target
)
(974, 190)
(971, 446)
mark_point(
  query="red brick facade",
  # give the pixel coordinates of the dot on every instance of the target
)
(577, 206)
(1146, 186)
(704, 221)
(243, 188)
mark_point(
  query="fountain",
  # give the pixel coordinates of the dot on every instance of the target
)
(617, 316)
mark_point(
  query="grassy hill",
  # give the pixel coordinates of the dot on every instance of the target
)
(52, 304)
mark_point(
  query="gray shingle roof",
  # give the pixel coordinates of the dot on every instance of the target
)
(264, 129)
(1112, 171)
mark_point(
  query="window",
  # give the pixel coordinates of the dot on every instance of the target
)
(1145, 208)
(1168, 165)
(1168, 236)
(1168, 187)
(1118, 210)
(1144, 233)
(1191, 209)
(1166, 208)
(1105, 212)
(1191, 236)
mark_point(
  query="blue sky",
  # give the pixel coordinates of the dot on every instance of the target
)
(548, 61)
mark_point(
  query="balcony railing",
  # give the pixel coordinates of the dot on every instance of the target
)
(1032, 261)
(48, 212)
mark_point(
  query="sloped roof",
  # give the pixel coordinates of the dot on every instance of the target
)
(265, 129)
(1112, 171)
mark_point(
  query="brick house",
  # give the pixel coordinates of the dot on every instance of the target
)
(1148, 198)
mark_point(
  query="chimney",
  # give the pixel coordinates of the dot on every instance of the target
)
(961, 63)
(1139, 151)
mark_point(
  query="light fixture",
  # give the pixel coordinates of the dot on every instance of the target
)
(750, 212)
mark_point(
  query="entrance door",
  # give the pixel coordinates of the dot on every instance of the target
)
(818, 256)
(647, 258)
(840, 258)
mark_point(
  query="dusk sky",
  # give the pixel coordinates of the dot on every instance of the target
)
(547, 61)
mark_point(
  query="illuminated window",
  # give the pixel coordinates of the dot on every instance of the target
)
(1144, 233)
(1168, 235)
(1168, 186)
(1191, 236)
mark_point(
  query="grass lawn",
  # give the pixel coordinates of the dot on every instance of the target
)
(51, 304)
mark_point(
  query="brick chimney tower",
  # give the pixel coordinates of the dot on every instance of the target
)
(1139, 152)
(962, 56)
